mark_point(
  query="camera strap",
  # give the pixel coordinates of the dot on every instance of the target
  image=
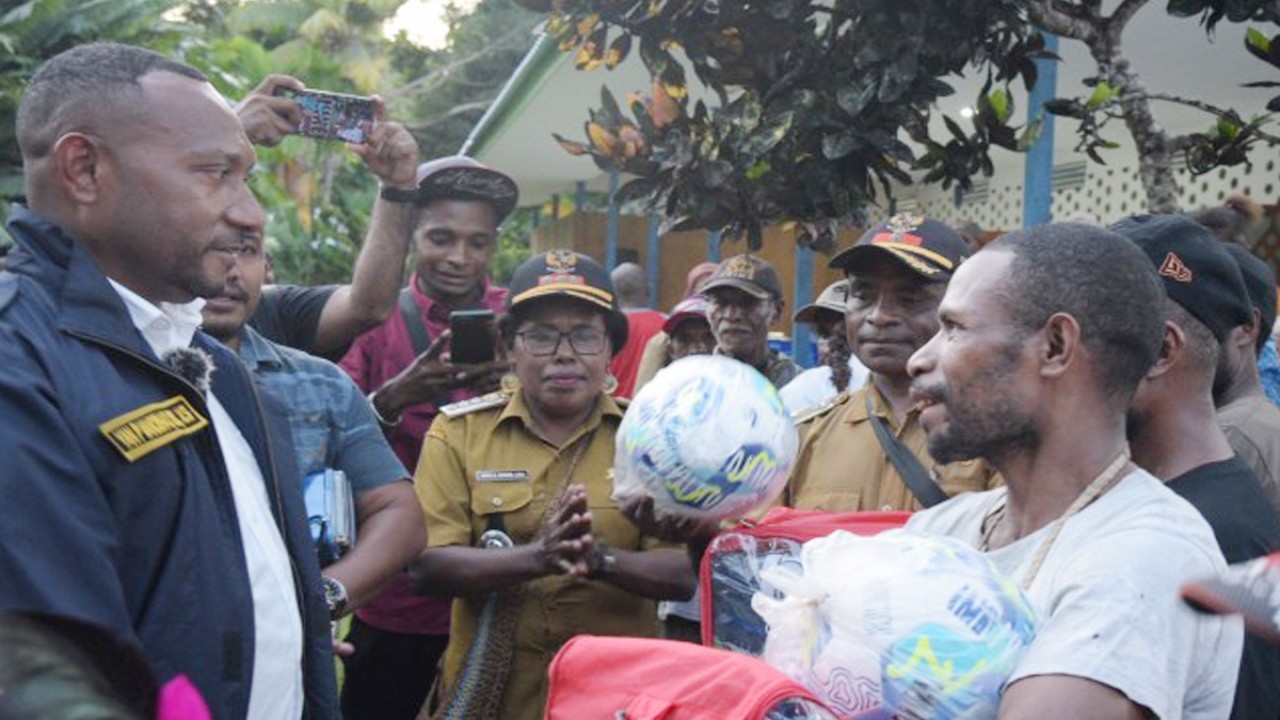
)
(916, 478)
(412, 315)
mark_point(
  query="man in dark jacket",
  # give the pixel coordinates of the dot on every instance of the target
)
(147, 488)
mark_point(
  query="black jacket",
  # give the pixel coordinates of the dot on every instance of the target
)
(148, 546)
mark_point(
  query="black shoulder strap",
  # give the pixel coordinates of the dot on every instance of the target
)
(908, 465)
(412, 314)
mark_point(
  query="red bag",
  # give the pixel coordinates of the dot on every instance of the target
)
(619, 678)
(730, 572)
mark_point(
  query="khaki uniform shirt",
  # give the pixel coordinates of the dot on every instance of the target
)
(486, 460)
(842, 467)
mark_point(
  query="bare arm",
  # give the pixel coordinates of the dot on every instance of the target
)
(391, 154)
(391, 533)
(1064, 697)
(654, 574)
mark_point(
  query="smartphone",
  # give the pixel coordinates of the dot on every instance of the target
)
(332, 116)
(472, 336)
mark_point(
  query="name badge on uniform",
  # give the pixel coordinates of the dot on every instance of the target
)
(502, 476)
(138, 432)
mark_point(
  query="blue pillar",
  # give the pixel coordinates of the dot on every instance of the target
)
(611, 230)
(713, 246)
(579, 196)
(653, 261)
(555, 220)
(801, 344)
(1037, 184)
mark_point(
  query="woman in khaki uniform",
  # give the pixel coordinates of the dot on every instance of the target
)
(522, 530)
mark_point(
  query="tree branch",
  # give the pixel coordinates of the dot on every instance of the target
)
(1048, 18)
(1212, 110)
(1121, 17)
(437, 77)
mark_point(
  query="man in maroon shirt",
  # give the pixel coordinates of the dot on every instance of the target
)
(398, 637)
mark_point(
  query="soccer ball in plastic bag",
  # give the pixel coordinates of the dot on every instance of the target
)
(708, 437)
(919, 627)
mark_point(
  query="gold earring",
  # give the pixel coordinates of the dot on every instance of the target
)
(510, 383)
(610, 384)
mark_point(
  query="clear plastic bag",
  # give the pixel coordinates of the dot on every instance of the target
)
(919, 627)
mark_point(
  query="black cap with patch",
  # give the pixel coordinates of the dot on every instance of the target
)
(565, 273)
(1197, 272)
(929, 248)
(1260, 281)
(751, 274)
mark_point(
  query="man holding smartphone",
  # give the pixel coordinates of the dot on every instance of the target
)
(406, 366)
(323, 320)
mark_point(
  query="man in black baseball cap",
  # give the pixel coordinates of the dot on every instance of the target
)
(1173, 427)
(745, 297)
(865, 449)
(1247, 416)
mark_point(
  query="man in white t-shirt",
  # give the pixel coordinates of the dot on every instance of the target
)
(1044, 337)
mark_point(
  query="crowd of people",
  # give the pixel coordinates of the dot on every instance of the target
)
(1086, 405)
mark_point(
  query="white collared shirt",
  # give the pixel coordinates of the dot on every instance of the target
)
(276, 692)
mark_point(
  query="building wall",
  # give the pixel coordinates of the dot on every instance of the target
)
(1083, 191)
(1103, 193)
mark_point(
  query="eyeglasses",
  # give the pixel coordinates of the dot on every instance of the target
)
(583, 341)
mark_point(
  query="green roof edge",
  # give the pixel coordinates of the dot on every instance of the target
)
(534, 70)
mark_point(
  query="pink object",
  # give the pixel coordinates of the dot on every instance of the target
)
(180, 700)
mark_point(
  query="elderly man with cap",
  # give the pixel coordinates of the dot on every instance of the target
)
(324, 319)
(403, 364)
(838, 368)
(865, 449)
(1173, 428)
(1247, 416)
(515, 486)
(745, 298)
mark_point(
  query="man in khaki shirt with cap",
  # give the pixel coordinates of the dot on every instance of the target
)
(897, 274)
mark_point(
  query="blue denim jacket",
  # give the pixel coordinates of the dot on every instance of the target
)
(332, 423)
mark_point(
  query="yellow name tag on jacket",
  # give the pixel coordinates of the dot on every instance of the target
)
(138, 432)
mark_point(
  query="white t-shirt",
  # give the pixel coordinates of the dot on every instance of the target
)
(276, 690)
(814, 387)
(1107, 596)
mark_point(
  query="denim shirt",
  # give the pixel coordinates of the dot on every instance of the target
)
(332, 423)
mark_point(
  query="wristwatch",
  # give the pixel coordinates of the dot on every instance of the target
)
(399, 195)
(335, 594)
(604, 561)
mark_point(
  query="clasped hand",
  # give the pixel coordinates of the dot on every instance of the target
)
(564, 543)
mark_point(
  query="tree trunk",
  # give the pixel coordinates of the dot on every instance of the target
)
(1155, 163)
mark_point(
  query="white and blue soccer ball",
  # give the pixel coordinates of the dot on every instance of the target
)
(708, 437)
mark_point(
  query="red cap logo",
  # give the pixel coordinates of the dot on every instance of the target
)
(1173, 267)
